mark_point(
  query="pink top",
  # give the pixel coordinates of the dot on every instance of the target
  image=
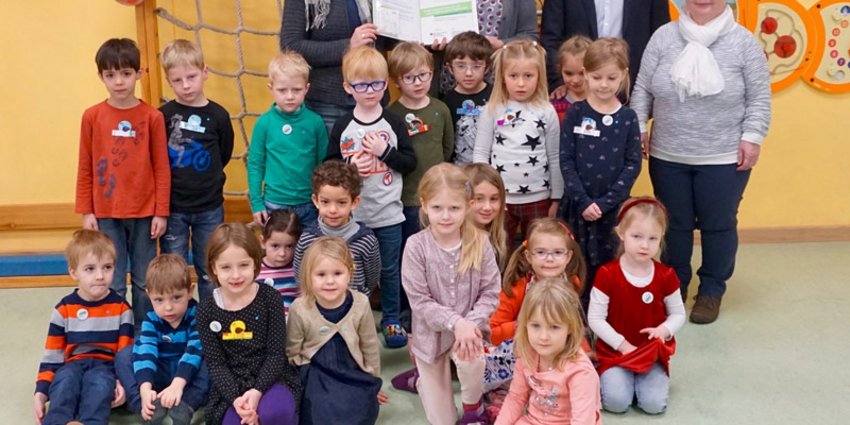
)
(553, 397)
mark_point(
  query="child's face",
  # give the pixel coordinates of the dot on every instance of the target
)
(572, 71)
(641, 240)
(335, 205)
(280, 247)
(446, 212)
(329, 282)
(288, 92)
(187, 81)
(234, 270)
(604, 83)
(469, 74)
(120, 83)
(415, 84)
(521, 80)
(547, 339)
(487, 204)
(367, 93)
(93, 276)
(548, 255)
(171, 307)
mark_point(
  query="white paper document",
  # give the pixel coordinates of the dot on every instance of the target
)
(424, 20)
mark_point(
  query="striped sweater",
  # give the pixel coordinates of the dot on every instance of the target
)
(81, 329)
(364, 250)
(283, 280)
(159, 343)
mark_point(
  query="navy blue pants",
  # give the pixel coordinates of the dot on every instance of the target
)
(82, 390)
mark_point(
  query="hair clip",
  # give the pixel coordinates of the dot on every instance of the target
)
(534, 43)
(468, 188)
(525, 243)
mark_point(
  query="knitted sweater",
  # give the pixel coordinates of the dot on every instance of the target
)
(159, 343)
(364, 251)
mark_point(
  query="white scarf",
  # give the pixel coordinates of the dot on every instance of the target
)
(323, 7)
(695, 72)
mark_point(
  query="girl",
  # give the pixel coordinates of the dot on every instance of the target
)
(450, 274)
(518, 135)
(243, 332)
(571, 67)
(555, 382)
(332, 337)
(600, 153)
(280, 234)
(488, 210)
(635, 308)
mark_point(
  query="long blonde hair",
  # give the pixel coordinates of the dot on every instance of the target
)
(482, 173)
(333, 248)
(519, 266)
(505, 57)
(446, 176)
(558, 305)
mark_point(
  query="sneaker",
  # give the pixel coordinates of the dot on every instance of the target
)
(706, 309)
(159, 414)
(475, 417)
(406, 381)
(181, 414)
(394, 334)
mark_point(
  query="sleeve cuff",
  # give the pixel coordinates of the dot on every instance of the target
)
(643, 127)
(752, 137)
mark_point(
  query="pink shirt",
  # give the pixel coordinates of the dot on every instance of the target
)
(553, 397)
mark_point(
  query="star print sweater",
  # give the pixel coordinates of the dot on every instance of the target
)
(520, 140)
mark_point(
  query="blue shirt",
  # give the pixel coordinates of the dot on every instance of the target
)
(160, 344)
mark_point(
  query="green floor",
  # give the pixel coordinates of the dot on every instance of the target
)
(777, 355)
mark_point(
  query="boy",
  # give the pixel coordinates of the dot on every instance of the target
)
(123, 178)
(86, 329)
(162, 372)
(468, 58)
(336, 193)
(287, 143)
(376, 142)
(200, 143)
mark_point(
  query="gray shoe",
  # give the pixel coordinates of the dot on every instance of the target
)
(159, 414)
(181, 414)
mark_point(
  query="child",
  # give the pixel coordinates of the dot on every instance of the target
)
(332, 338)
(123, 177)
(600, 154)
(75, 353)
(336, 193)
(467, 56)
(288, 142)
(377, 143)
(635, 309)
(200, 143)
(451, 277)
(555, 382)
(163, 373)
(243, 332)
(488, 210)
(571, 67)
(278, 239)
(518, 136)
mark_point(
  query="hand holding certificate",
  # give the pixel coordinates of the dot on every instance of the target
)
(424, 20)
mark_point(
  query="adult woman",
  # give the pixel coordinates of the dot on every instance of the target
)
(704, 80)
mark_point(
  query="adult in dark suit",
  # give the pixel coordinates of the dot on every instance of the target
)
(563, 19)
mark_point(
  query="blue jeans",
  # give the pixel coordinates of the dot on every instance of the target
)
(307, 213)
(704, 197)
(81, 390)
(329, 112)
(194, 394)
(389, 243)
(620, 386)
(132, 240)
(176, 241)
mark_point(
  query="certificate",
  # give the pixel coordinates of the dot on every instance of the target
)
(424, 20)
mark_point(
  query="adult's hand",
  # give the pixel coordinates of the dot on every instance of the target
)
(644, 145)
(748, 155)
(363, 35)
(559, 92)
(495, 42)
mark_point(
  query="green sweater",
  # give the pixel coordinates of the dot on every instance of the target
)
(432, 147)
(285, 148)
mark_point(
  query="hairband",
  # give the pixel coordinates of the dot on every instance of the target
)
(567, 229)
(638, 201)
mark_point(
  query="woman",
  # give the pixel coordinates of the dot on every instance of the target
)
(704, 81)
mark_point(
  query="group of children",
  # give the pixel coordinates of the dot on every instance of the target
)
(456, 202)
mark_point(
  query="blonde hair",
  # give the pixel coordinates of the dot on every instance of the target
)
(641, 207)
(408, 56)
(166, 274)
(333, 248)
(289, 63)
(552, 298)
(233, 234)
(505, 57)
(363, 63)
(576, 46)
(483, 173)
(446, 176)
(604, 51)
(181, 52)
(85, 242)
(519, 266)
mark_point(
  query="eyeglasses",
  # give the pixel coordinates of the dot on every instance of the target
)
(542, 254)
(462, 67)
(376, 85)
(422, 76)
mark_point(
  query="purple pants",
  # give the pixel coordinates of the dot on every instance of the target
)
(276, 407)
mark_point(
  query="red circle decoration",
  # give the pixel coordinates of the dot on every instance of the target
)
(769, 25)
(785, 46)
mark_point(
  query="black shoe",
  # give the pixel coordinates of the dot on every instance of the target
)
(181, 414)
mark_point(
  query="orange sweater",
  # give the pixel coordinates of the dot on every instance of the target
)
(123, 169)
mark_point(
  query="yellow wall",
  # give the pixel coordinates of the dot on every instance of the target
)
(48, 77)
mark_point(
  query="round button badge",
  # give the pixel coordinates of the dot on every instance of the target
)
(607, 120)
(82, 314)
(647, 297)
(215, 326)
(287, 129)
